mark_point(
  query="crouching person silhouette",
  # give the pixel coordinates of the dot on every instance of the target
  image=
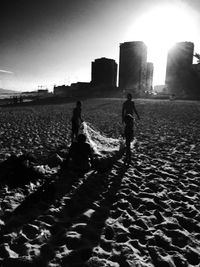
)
(128, 134)
(80, 156)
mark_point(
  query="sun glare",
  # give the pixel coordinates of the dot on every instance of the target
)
(160, 28)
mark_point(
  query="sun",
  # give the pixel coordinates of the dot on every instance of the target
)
(160, 28)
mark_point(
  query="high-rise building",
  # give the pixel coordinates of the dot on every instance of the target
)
(132, 67)
(179, 68)
(149, 77)
(104, 72)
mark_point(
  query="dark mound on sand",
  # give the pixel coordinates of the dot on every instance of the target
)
(18, 171)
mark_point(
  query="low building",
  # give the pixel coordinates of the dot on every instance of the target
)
(61, 90)
(74, 90)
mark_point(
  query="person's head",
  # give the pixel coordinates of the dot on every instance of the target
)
(128, 119)
(81, 138)
(78, 103)
(129, 96)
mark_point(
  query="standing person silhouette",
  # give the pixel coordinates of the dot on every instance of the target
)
(129, 107)
(76, 120)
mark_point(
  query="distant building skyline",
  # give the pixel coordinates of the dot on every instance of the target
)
(136, 74)
(52, 42)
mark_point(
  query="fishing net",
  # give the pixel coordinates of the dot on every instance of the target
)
(106, 150)
(101, 144)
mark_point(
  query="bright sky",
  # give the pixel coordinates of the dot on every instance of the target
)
(54, 42)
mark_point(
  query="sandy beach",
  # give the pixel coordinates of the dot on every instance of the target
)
(144, 214)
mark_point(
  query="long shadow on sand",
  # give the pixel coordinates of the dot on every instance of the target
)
(85, 212)
(49, 193)
(39, 201)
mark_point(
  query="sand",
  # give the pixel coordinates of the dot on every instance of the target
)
(146, 213)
